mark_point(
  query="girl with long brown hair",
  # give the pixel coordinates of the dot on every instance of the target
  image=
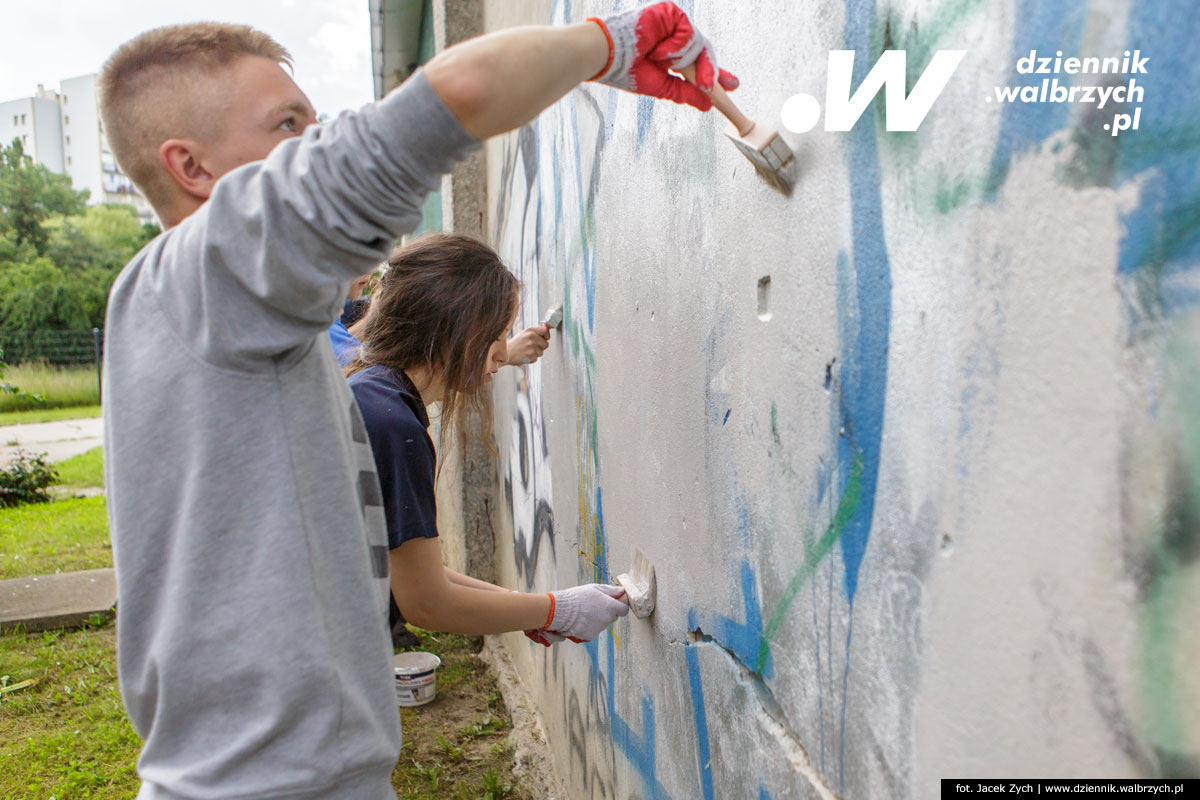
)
(435, 333)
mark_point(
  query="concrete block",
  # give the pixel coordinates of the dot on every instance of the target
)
(55, 601)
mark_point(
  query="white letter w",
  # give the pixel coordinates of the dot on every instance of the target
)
(842, 109)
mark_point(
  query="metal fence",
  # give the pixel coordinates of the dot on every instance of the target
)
(60, 348)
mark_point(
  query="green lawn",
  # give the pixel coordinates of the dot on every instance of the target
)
(48, 414)
(62, 536)
(67, 735)
(84, 471)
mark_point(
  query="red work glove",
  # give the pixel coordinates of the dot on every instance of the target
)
(545, 638)
(646, 42)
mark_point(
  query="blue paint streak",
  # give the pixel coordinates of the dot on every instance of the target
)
(1047, 28)
(610, 114)
(601, 538)
(744, 640)
(845, 687)
(645, 113)
(820, 693)
(1166, 31)
(864, 362)
(865, 328)
(727, 413)
(639, 749)
(589, 267)
(763, 794)
(701, 718)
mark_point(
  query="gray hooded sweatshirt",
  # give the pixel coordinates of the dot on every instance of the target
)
(246, 521)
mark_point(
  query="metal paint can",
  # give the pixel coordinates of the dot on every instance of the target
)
(416, 678)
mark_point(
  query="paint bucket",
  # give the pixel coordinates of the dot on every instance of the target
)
(416, 678)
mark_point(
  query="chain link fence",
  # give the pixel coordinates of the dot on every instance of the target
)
(59, 348)
(70, 351)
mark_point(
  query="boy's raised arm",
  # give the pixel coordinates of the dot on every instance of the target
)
(501, 81)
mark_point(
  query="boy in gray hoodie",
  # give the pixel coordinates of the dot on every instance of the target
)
(246, 517)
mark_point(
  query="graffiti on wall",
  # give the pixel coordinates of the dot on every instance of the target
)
(836, 709)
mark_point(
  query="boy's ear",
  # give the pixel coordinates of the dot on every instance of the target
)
(181, 160)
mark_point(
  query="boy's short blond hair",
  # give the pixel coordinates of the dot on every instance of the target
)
(154, 88)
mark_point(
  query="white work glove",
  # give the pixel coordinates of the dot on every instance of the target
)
(582, 612)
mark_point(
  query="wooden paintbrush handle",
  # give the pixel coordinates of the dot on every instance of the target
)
(722, 102)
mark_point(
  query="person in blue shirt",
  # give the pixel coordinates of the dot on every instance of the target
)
(344, 343)
(435, 333)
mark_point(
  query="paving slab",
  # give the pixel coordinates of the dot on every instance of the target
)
(59, 440)
(65, 599)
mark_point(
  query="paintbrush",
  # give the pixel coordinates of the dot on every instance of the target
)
(554, 316)
(640, 585)
(760, 143)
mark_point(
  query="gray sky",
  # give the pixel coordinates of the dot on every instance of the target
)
(46, 41)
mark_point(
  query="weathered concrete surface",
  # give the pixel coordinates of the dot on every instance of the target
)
(929, 509)
(58, 440)
(62, 600)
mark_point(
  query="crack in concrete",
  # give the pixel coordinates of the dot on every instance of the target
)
(770, 711)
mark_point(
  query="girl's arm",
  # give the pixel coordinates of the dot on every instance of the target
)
(431, 599)
(474, 583)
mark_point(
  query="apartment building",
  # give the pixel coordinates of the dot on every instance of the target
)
(62, 131)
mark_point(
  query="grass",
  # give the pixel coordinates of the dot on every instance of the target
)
(457, 747)
(62, 536)
(62, 388)
(67, 735)
(47, 415)
(84, 471)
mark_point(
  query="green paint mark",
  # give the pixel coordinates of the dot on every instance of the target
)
(1166, 613)
(947, 198)
(1157, 658)
(812, 558)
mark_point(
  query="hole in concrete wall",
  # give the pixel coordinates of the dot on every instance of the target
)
(764, 298)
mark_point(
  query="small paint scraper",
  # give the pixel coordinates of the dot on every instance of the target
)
(640, 585)
(554, 316)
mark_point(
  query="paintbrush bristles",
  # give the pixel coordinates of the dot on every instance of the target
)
(772, 160)
(640, 584)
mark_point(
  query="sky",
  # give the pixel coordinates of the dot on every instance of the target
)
(46, 41)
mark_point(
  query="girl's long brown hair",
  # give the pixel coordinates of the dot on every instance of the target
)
(444, 299)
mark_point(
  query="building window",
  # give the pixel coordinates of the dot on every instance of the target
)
(22, 119)
(68, 161)
(68, 140)
(15, 119)
(64, 98)
(67, 120)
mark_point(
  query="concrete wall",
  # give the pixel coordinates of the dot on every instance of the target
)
(926, 508)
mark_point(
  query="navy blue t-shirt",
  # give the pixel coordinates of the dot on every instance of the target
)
(405, 460)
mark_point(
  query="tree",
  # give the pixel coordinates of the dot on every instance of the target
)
(42, 296)
(103, 236)
(29, 195)
(58, 258)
